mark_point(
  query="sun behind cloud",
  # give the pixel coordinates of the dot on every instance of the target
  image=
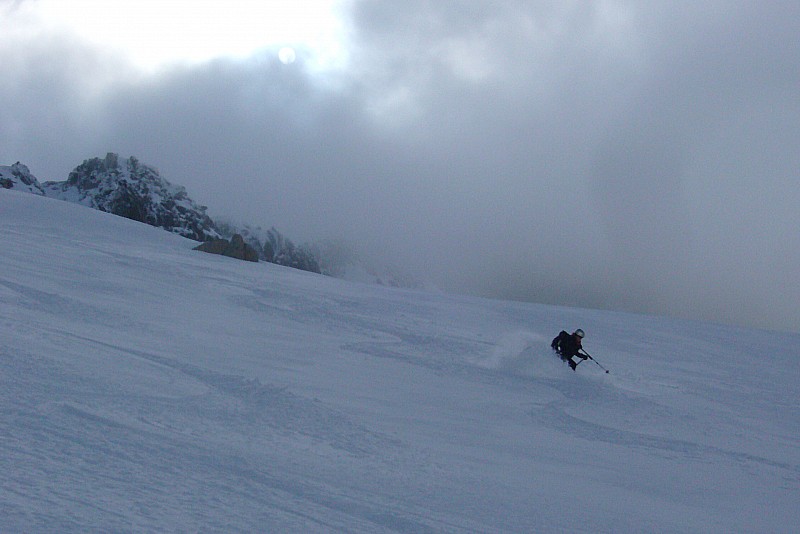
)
(287, 55)
(156, 33)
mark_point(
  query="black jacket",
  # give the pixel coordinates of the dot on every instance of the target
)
(567, 345)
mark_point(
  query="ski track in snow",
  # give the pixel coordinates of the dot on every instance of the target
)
(146, 387)
(118, 445)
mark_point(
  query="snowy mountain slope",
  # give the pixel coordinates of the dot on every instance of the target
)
(129, 189)
(145, 386)
(137, 191)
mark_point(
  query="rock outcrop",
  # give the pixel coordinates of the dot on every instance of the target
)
(131, 189)
(235, 248)
(19, 178)
(136, 191)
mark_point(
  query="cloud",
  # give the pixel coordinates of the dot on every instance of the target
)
(614, 155)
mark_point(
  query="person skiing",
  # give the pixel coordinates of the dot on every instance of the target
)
(567, 346)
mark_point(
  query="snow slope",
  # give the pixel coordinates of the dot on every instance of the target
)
(148, 387)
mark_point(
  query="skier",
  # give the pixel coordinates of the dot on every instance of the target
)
(568, 346)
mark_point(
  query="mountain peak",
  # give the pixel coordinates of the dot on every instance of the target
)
(19, 177)
(135, 191)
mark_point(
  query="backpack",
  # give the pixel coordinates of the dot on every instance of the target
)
(562, 337)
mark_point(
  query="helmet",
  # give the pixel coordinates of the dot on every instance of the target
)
(579, 333)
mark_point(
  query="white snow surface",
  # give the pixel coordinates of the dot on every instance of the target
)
(145, 386)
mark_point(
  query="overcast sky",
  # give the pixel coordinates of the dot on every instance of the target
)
(630, 155)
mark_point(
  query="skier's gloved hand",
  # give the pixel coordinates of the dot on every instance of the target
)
(584, 356)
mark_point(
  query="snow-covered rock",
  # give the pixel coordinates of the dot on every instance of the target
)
(135, 191)
(19, 177)
(272, 246)
(131, 189)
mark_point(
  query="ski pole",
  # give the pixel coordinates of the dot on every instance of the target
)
(595, 361)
